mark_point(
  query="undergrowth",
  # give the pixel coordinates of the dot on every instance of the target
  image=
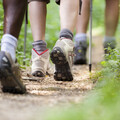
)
(103, 101)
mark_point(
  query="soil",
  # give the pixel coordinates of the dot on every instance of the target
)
(45, 92)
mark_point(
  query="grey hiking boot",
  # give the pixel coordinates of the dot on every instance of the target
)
(40, 63)
(109, 44)
(10, 77)
(80, 53)
(62, 57)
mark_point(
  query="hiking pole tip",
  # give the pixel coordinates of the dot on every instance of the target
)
(90, 67)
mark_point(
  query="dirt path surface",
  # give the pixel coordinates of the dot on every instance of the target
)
(47, 93)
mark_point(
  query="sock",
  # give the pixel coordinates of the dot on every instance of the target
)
(81, 38)
(109, 41)
(39, 46)
(9, 44)
(66, 33)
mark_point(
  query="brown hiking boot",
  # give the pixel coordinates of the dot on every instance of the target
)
(10, 77)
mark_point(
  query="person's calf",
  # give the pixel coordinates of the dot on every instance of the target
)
(69, 10)
(13, 16)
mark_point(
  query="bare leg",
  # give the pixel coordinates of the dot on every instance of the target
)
(68, 14)
(13, 16)
(14, 12)
(62, 53)
(10, 75)
(111, 22)
(111, 17)
(81, 37)
(83, 19)
(37, 12)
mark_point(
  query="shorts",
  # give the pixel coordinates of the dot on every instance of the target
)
(47, 1)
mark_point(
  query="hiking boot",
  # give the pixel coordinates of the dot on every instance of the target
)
(10, 75)
(80, 53)
(109, 45)
(62, 57)
(40, 63)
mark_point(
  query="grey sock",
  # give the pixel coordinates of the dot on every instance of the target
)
(66, 33)
(39, 46)
(9, 44)
(81, 39)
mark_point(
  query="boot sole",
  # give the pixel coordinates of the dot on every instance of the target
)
(80, 62)
(10, 83)
(63, 72)
(38, 74)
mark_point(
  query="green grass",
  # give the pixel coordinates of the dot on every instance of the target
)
(103, 101)
(1, 19)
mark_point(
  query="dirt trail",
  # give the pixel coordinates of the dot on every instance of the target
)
(47, 92)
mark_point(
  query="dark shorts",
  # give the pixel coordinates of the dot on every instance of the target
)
(47, 1)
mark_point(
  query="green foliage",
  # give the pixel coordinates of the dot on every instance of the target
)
(1, 19)
(103, 101)
(98, 13)
(52, 25)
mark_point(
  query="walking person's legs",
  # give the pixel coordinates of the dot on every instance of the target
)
(37, 13)
(111, 22)
(81, 36)
(40, 53)
(9, 73)
(62, 53)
